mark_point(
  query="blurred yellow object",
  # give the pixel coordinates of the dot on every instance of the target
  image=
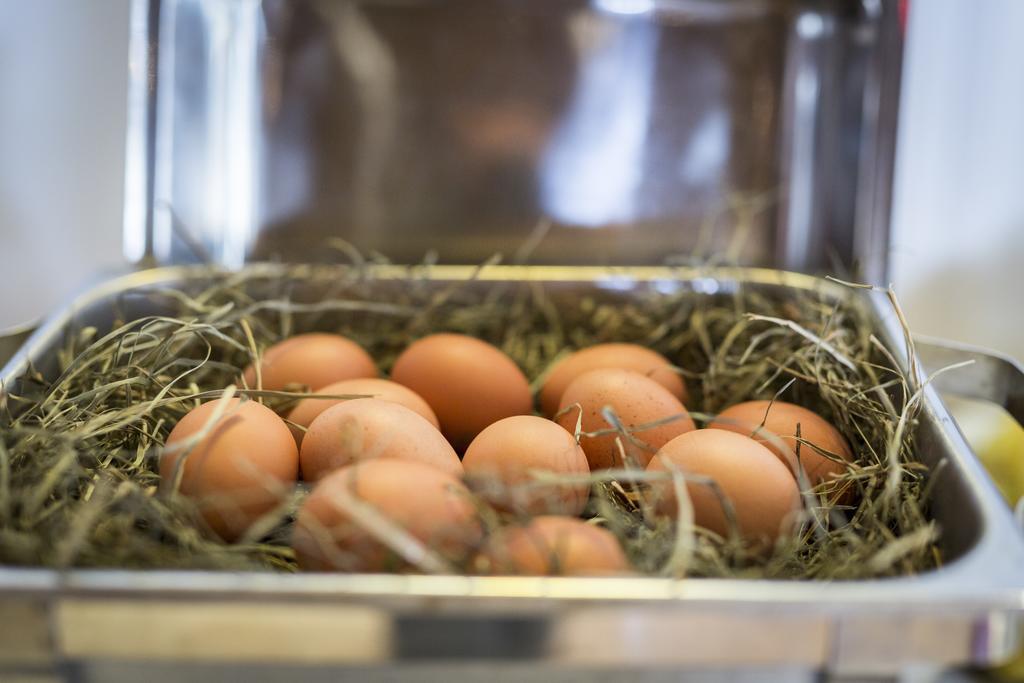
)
(998, 441)
(1012, 670)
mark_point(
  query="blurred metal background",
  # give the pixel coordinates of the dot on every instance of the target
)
(628, 130)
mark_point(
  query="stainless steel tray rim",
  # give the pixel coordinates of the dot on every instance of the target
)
(490, 592)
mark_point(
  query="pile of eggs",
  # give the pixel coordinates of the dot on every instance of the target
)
(399, 467)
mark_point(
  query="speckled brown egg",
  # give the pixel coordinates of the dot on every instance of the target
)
(368, 429)
(243, 467)
(636, 400)
(503, 458)
(313, 360)
(782, 420)
(308, 409)
(554, 545)
(342, 524)
(762, 490)
(468, 383)
(622, 356)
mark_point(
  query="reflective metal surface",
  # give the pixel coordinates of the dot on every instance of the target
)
(11, 340)
(990, 376)
(632, 129)
(965, 612)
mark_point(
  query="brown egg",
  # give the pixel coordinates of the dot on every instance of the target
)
(314, 360)
(554, 546)
(761, 489)
(334, 528)
(622, 356)
(503, 456)
(370, 428)
(782, 420)
(309, 408)
(243, 468)
(469, 383)
(637, 400)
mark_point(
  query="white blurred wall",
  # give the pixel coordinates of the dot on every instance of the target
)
(958, 219)
(63, 89)
(958, 244)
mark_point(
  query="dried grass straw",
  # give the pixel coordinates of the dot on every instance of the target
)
(78, 451)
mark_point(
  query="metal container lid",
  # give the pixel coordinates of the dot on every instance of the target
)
(587, 132)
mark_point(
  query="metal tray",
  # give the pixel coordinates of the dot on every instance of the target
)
(101, 623)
